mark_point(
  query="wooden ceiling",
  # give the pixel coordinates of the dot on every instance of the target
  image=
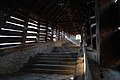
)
(68, 14)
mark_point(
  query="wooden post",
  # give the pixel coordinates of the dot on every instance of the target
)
(97, 31)
(38, 30)
(52, 34)
(56, 33)
(63, 34)
(59, 33)
(25, 31)
(2, 19)
(46, 32)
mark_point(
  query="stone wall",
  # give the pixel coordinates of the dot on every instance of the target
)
(13, 61)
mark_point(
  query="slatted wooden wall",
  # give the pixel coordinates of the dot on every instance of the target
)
(12, 30)
(21, 29)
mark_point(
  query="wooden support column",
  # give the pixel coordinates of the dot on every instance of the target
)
(46, 36)
(91, 37)
(2, 19)
(63, 34)
(38, 30)
(25, 31)
(58, 33)
(97, 30)
(52, 34)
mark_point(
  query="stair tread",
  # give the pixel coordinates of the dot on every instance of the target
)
(50, 71)
(46, 66)
(53, 62)
(51, 65)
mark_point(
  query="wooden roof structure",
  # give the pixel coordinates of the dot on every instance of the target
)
(68, 14)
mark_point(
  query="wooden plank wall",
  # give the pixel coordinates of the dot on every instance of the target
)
(18, 28)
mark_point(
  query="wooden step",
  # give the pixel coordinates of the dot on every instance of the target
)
(58, 56)
(49, 71)
(54, 59)
(50, 66)
(52, 62)
(58, 53)
(60, 61)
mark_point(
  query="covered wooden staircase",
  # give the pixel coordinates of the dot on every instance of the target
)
(62, 60)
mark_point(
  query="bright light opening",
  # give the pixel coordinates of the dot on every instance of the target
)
(118, 28)
(54, 40)
(71, 78)
(115, 1)
(78, 37)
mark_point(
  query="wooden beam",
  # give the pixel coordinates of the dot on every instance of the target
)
(52, 34)
(46, 36)
(53, 13)
(48, 6)
(58, 18)
(56, 13)
(38, 29)
(97, 11)
(25, 31)
(58, 33)
(83, 8)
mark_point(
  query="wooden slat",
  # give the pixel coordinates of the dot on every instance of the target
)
(31, 42)
(42, 37)
(31, 34)
(11, 45)
(32, 22)
(42, 31)
(42, 27)
(10, 40)
(32, 25)
(10, 26)
(31, 29)
(49, 36)
(18, 15)
(15, 21)
(10, 33)
(21, 11)
(30, 39)
(42, 34)
(92, 20)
